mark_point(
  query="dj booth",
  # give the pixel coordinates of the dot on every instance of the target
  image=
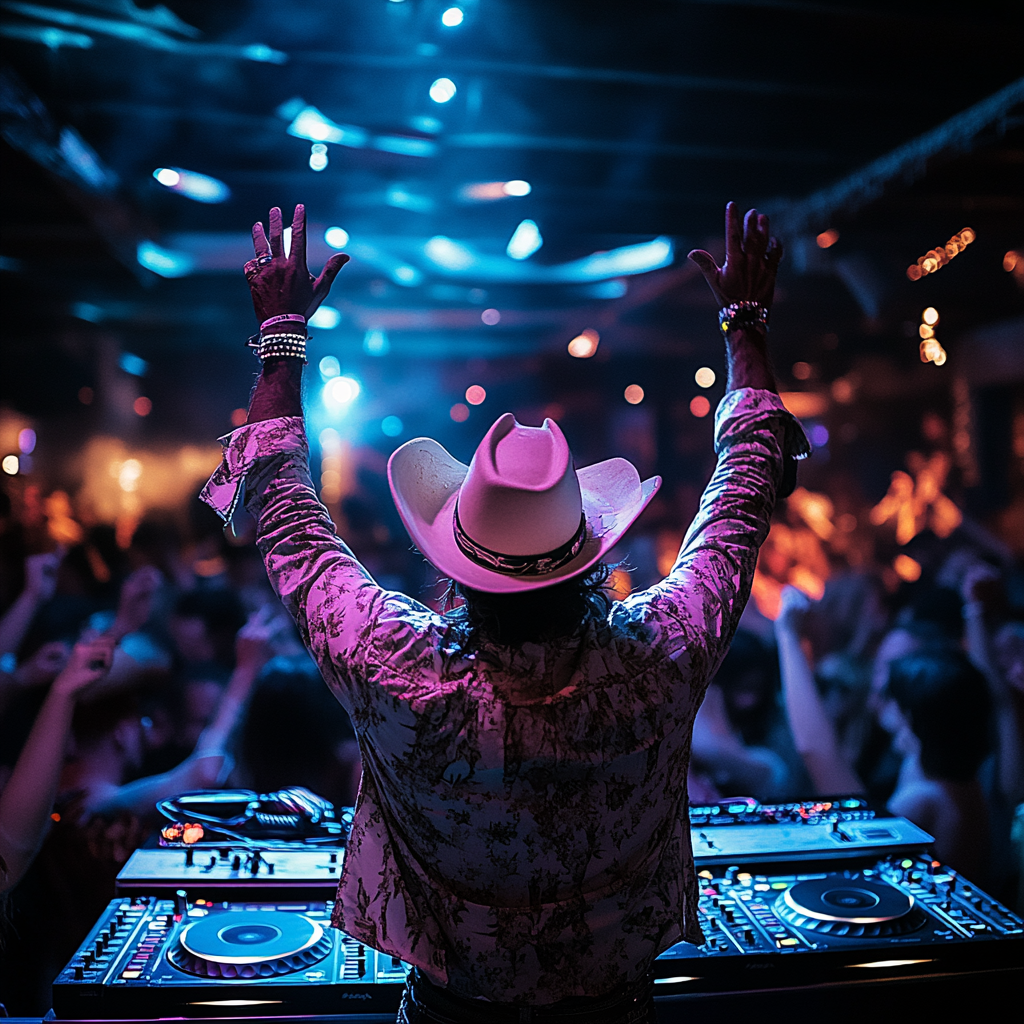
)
(817, 907)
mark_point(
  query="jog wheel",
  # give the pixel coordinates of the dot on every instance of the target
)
(850, 907)
(250, 944)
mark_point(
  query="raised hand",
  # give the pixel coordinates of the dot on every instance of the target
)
(751, 260)
(283, 284)
(794, 606)
(41, 574)
(90, 661)
(136, 601)
(254, 643)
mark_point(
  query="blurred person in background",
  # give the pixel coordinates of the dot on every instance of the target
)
(741, 739)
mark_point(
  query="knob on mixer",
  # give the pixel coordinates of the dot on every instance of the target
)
(180, 903)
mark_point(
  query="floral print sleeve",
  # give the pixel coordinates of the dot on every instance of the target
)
(521, 833)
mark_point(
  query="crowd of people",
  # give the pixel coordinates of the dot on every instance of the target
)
(129, 675)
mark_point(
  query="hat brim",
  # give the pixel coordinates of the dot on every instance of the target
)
(425, 482)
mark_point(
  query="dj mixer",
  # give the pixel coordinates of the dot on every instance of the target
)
(793, 898)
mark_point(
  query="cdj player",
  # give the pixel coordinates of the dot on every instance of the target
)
(798, 902)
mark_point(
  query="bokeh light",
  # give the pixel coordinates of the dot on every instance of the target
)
(930, 316)
(238, 417)
(459, 412)
(10, 465)
(475, 394)
(142, 406)
(634, 394)
(490, 317)
(802, 370)
(452, 17)
(827, 238)
(517, 187)
(700, 406)
(442, 90)
(906, 568)
(27, 441)
(329, 367)
(584, 345)
(336, 238)
(326, 318)
(391, 426)
(340, 392)
(705, 377)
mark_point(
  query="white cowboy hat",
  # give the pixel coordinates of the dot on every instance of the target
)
(519, 516)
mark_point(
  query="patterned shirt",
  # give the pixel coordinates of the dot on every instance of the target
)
(521, 832)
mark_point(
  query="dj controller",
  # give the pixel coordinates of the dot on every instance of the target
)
(798, 897)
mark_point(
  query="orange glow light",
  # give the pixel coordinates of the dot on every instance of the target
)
(827, 238)
(941, 254)
(634, 394)
(584, 345)
(142, 406)
(700, 406)
(906, 568)
(475, 394)
(704, 377)
(459, 412)
(802, 370)
(238, 417)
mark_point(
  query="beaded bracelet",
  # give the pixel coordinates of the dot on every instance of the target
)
(267, 346)
(742, 314)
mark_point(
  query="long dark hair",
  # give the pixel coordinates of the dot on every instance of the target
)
(561, 611)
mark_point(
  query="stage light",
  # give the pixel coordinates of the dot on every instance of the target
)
(489, 191)
(700, 406)
(613, 289)
(142, 406)
(128, 475)
(317, 156)
(326, 318)
(517, 187)
(453, 17)
(164, 262)
(341, 392)
(449, 254)
(459, 412)
(827, 238)
(329, 367)
(199, 187)
(135, 365)
(442, 90)
(406, 275)
(330, 439)
(376, 343)
(584, 345)
(634, 394)
(627, 259)
(930, 316)
(802, 370)
(11, 465)
(475, 394)
(391, 426)
(309, 123)
(525, 240)
(705, 377)
(27, 441)
(490, 317)
(336, 238)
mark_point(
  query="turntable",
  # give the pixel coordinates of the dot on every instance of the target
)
(150, 957)
(856, 907)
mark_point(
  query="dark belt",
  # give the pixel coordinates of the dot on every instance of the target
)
(425, 1003)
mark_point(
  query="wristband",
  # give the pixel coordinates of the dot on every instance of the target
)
(743, 314)
(297, 318)
(267, 346)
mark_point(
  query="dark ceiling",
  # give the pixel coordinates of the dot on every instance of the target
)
(630, 121)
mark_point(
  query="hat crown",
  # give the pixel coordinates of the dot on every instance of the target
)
(521, 495)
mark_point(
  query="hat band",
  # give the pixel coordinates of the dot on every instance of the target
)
(521, 565)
